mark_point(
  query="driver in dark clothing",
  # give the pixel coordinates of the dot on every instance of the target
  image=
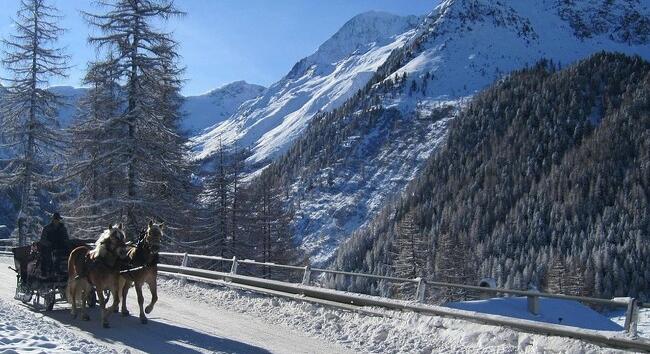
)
(54, 240)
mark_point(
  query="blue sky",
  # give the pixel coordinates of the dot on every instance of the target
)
(228, 40)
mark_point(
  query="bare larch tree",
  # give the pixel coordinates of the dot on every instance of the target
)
(29, 111)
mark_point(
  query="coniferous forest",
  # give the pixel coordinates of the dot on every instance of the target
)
(544, 180)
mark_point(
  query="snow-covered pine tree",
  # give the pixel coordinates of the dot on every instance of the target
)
(152, 149)
(30, 111)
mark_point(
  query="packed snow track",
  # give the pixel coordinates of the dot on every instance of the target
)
(177, 325)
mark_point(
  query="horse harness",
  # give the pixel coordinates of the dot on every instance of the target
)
(143, 258)
(94, 262)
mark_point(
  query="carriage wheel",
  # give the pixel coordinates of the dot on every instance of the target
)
(23, 293)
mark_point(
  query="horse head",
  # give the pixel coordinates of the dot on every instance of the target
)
(154, 235)
(112, 243)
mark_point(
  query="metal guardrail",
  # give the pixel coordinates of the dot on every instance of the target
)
(632, 305)
(311, 292)
(6, 244)
(607, 338)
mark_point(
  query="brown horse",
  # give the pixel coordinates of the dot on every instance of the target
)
(143, 259)
(99, 267)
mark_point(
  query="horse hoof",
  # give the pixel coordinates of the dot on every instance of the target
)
(85, 317)
(115, 310)
(125, 313)
(148, 309)
(143, 320)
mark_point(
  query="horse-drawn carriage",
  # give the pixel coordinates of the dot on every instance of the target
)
(32, 286)
(90, 271)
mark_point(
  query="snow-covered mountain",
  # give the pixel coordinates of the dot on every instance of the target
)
(200, 112)
(320, 82)
(348, 165)
(204, 111)
(465, 45)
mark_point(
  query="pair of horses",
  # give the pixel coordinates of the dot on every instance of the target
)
(101, 266)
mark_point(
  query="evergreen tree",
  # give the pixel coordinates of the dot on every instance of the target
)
(29, 111)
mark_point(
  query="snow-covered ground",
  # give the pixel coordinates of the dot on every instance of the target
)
(643, 324)
(22, 330)
(557, 311)
(197, 317)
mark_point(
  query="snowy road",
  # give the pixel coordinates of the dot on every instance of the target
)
(176, 325)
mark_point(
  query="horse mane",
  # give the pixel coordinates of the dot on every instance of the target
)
(100, 246)
(104, 235)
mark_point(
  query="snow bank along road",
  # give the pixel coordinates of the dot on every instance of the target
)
(203, 318)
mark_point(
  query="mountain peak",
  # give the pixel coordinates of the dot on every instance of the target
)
(236, 87)
(361, 33)
(217, 105)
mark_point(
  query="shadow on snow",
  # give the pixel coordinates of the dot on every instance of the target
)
(154, 337)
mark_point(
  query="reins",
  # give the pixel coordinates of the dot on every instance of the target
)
(143, 250)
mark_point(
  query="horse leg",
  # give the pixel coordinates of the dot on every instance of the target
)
(154, 294)
(138, 290)
(124, 284)
(102, 306)
(72, 296)
(84, 299)
(116, 294)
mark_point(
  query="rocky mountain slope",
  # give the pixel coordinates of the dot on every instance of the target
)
(348, 163)
(320, 82)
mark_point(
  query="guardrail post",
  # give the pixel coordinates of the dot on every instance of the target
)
(631, 317)
(533, 301)
(184, 264)
(307, 276)
(421, 290)
(233, 269)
